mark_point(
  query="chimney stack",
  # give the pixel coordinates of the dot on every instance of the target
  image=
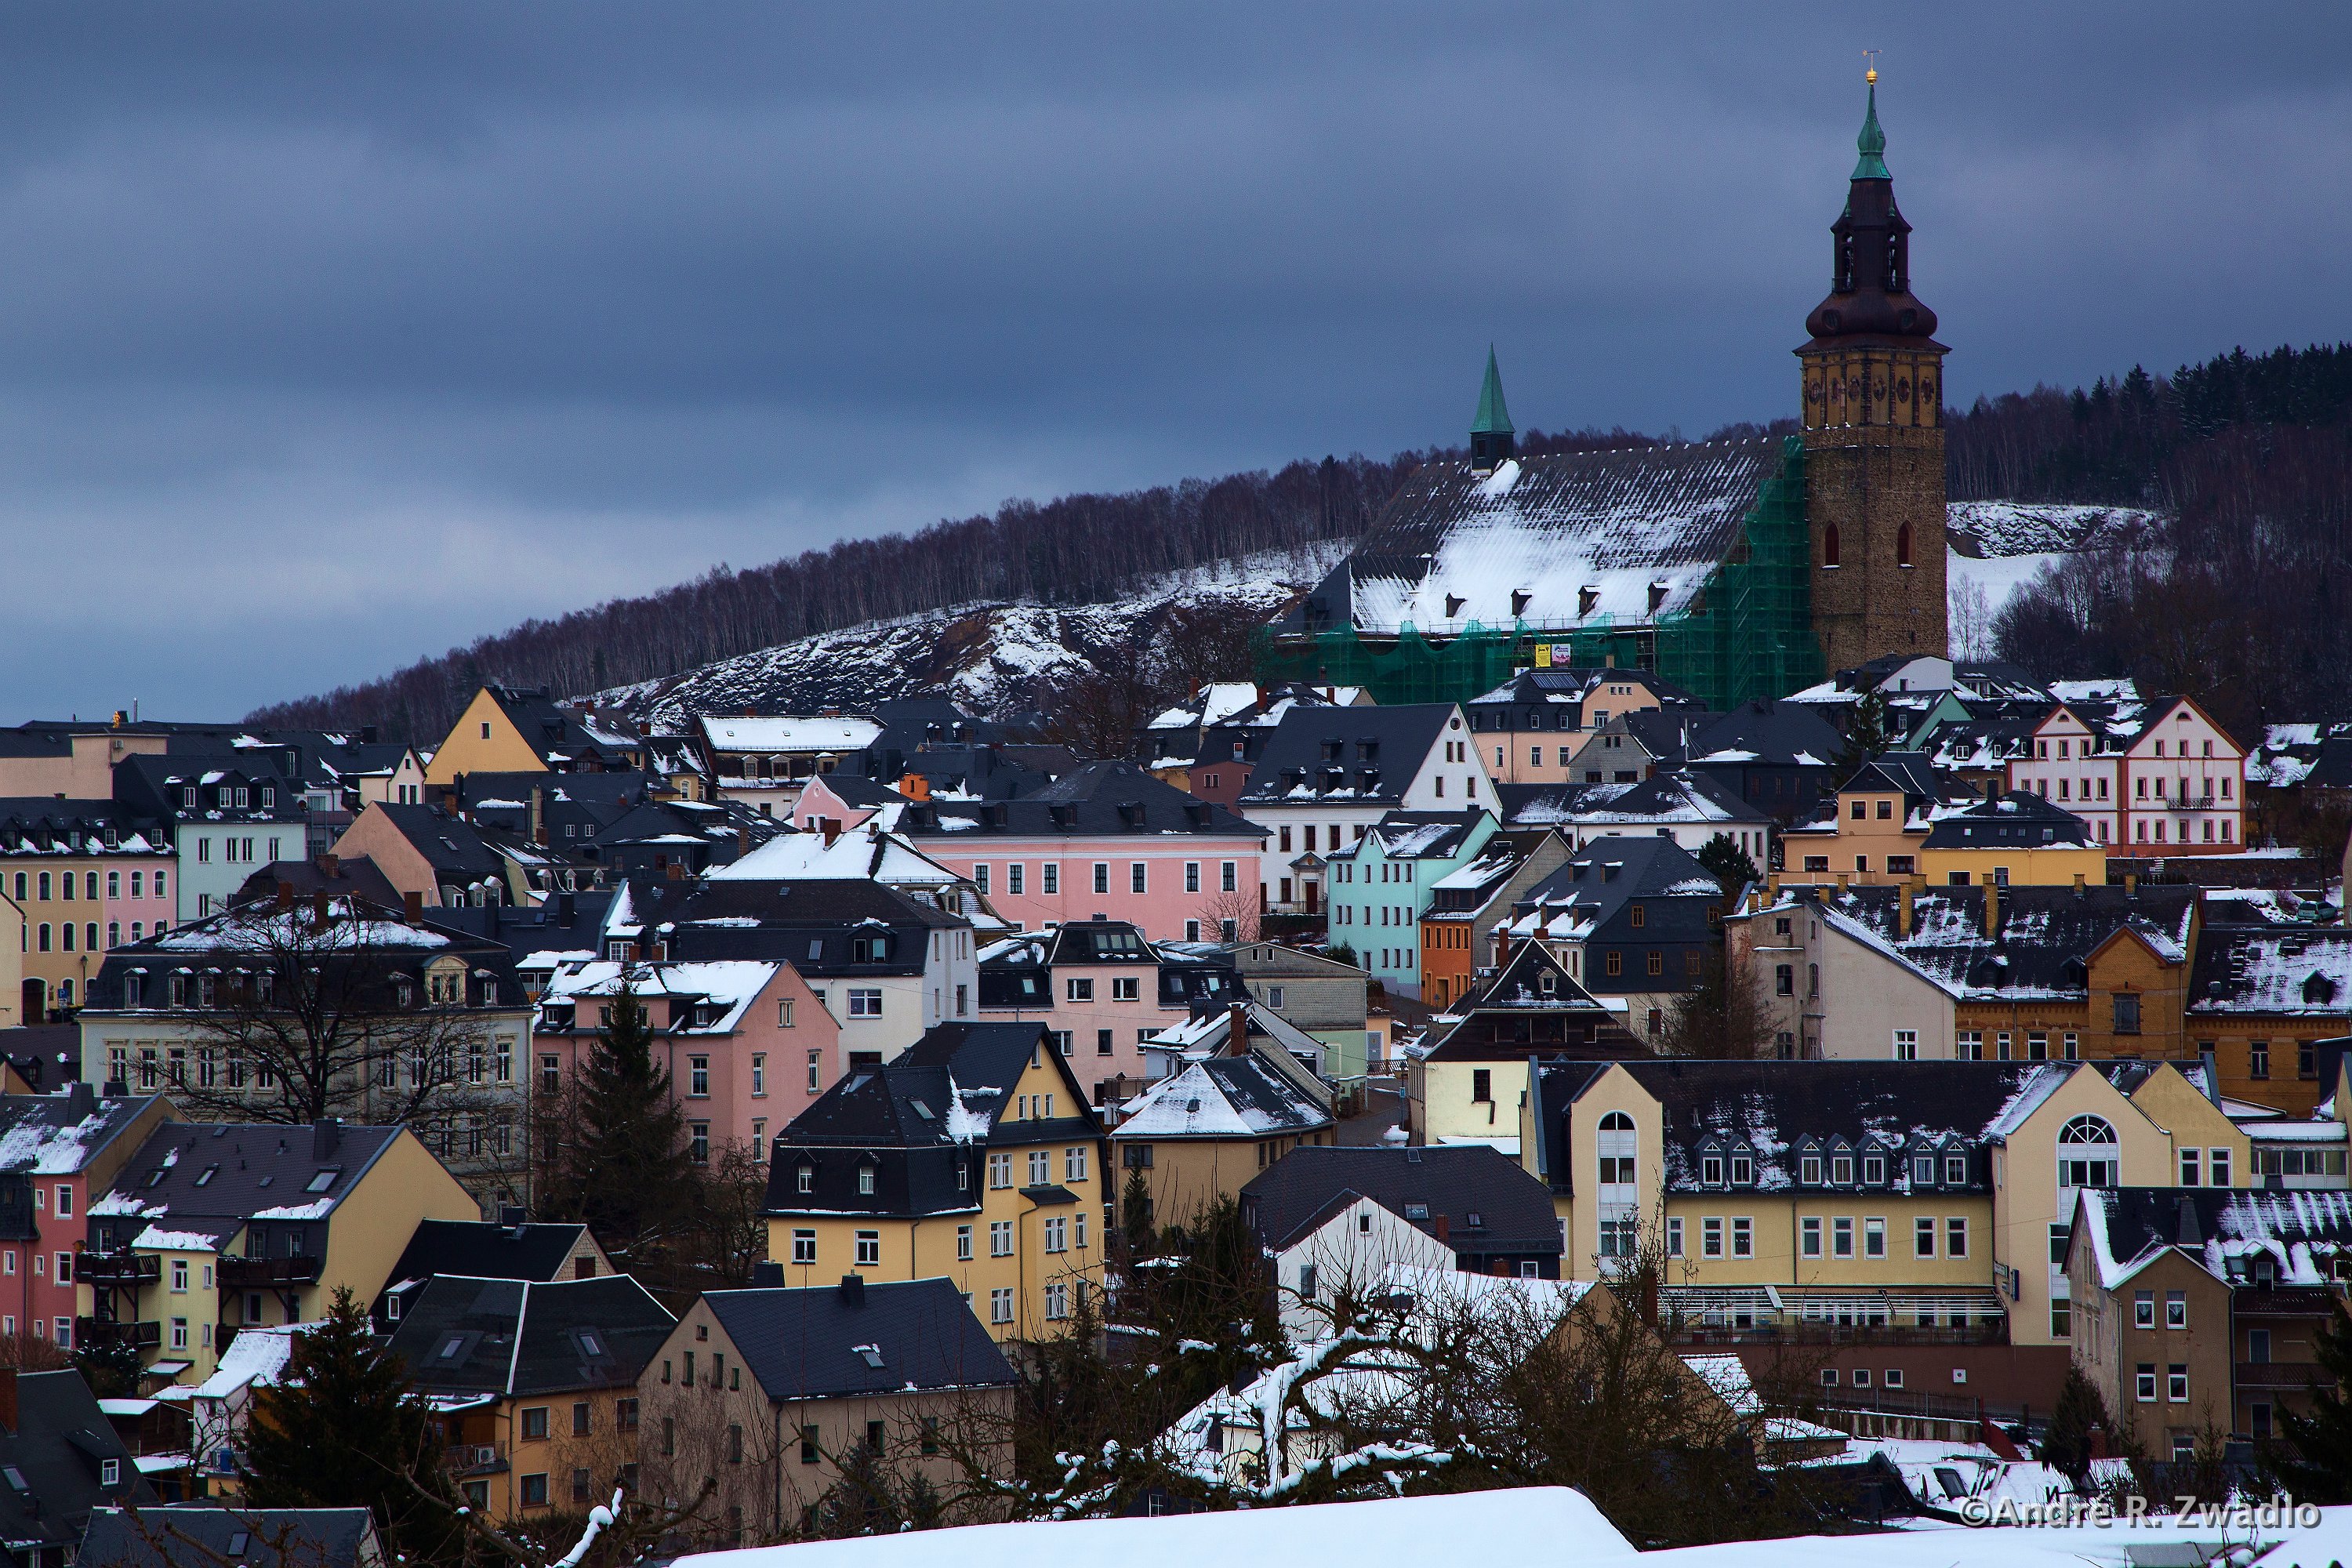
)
(2131, 884)
(285, 896)
(1237, 1029)
(331, 865)
(1903, 913)
(742, 842)
(411, 906)
(852, 1290)
(539, 814)
(2078, 884)
(326, 1137)
(832, 826)
(1993, 909)
(318, 907)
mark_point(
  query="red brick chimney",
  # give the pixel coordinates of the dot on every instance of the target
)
(411, 906)
(1237, 1029)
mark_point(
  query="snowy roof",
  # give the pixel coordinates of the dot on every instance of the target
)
(864, 853)
(255, 1356)
(788, 733)
(1223, 1096)
(732, 985)
(2270, 969)
(2301, 1233)
(1527, 1525)
(1578, 540)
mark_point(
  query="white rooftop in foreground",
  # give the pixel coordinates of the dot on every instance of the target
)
(1535, 1525)
(1538, 1527)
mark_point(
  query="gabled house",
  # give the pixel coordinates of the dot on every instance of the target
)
(764, 760)
(534, 1385)
(1322, 998)
(1329, 775)
(214, 1227)
(2203, 1309)
(58, 1153)
(1238, 1103)
(1993, 973)
(1467, 1079)
(1636, 921)
(443, 859)
(1466, 903)
(258, 1537)
(1776, 756)
(1208, 746)
(511, 729)
(778, 1392)
(1323, 1214)
(60, 1462)
(1532, 726)
(2155, 777)
(507, 1248)
(224, 814)
(972, 1156)
(747, 1044)
(1103, 988)
(77, 878)
(1381, 883)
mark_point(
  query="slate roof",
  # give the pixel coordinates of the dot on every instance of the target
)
(1531, 1005)
(1304, 1188)
(198, 1175)
(1565, 690)
(811, 925)
(2044, 938)
(1779, 733)
(60, 1438)
(1910, 773)
(2303, 1235)
(803, 1344)
(255, 934)
(1362, 756)
(354, 876)
(2268, 970)
(1103, 798)
(1416, 836)
(1587, 896)
(1640, 527)
(462, 1335)
(2020, 819)
(452, 847)
(488, 1251)
(1662, 799)
(1221, 1097)
(915, 1121)
(183, 1534)
(44, 824)
(558, 735)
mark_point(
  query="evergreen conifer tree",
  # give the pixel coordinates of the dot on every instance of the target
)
(1729, 864)
(626, 1173)
(341, 1430)
(2313, 1456)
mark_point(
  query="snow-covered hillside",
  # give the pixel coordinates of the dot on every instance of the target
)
(990, 658)
(1996, 547)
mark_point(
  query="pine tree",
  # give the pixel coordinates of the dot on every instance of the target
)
(625, 1172)
(2314, 1457)
(1866, 734)
(341, 1430)
(2067, 1444)
(1728, 863)
(1135, 1214)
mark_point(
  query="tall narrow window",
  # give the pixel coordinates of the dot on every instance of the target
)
(1830, 546)
(1903, 545)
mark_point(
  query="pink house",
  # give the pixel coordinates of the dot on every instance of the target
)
(747, 1044)
(64, 1146)
(1102, 989)
(2154, 778)
(1106, 841)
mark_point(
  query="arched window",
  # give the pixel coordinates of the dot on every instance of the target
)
(1621, 1227)
(1618, 1148)
(1903, 545)
(1830, 546)
(2086, 1153)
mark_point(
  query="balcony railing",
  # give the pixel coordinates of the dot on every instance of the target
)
(119, 1269)
(2283, 1374)
(1986, 1332)
(98, 1332)
(268, 1273)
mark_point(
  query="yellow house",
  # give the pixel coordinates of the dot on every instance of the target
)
(534, 1384)
(1890, 825)
(214, 1227)
(506, 730)
(1222, 1118)
(1931, 1195)
(971, 1157)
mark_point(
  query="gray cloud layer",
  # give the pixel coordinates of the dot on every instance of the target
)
(330, 336)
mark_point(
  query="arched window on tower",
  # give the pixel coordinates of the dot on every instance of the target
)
(1903, 545)
(1830, 546)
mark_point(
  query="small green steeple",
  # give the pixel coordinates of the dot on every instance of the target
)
(1494, 419)
(1872, 140)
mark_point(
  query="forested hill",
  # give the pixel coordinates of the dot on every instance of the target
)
(1080, 549)
(2250, 458)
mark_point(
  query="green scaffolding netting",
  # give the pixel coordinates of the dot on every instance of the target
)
(1749, 631)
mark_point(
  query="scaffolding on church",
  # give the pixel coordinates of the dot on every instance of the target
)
(1749, 632)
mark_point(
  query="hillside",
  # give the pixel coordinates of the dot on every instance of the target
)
(991, 659)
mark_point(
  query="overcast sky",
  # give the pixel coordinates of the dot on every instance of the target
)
(332, 336)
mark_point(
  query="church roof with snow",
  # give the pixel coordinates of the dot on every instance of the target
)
(1569, 540)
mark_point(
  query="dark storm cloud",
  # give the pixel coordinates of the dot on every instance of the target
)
(331, 335)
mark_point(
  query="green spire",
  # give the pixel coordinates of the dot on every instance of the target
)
(1872, 142)
(1494, 419)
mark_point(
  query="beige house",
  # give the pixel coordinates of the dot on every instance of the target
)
(771, 1394)
(1844, 1193)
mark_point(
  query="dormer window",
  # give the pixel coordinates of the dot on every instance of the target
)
(1955, 1169)
(1840, 1170)
(1743, 1170)
(1809, 1171)
(1874, 1170)
(1923, 1171)
(1710, 1169)
(807, 1178)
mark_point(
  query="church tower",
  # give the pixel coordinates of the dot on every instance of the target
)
(1873, 435)
(1493, 442)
